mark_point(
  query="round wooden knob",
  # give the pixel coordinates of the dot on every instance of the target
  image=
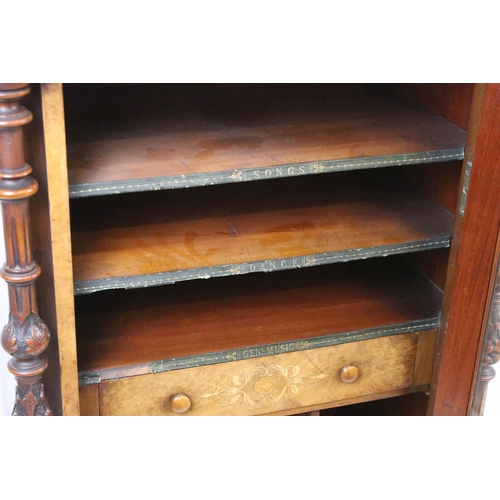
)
(348, 374)
(180, 403)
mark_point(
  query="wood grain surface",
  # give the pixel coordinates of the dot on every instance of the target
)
(441, 181)
(453, 101)
(453, 385)
(270, 384)
(60, 242)
(249, 228)
(125, 331)
(424, 361)
(89, 400)
(120, 135)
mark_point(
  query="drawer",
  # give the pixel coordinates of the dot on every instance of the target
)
(277, 383)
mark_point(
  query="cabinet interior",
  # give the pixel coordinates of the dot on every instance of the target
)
(212, 219)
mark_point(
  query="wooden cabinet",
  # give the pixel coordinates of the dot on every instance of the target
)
(280, 384)
(248, 249)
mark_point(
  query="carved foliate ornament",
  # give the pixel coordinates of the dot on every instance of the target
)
(492, 340)
(26, 340)
(492, 352)
(9, 338)
(30, 401)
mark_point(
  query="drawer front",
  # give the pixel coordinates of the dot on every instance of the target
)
(275, 383)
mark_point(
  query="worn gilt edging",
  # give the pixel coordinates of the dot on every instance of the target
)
(171, 277)
(254, 174)
(94, 377)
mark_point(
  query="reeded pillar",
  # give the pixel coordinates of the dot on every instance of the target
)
(25, 336)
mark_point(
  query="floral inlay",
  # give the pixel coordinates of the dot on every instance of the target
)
(266, 385)
(262, 386)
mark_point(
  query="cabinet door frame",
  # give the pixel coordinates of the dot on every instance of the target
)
(472, 266)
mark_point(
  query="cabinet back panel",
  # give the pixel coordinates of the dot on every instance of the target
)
(453, 101)
(441, 181)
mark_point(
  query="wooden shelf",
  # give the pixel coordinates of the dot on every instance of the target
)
(143, 138)
(159, 238)
(124, 333)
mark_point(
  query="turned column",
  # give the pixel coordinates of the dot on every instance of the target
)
(25, 336)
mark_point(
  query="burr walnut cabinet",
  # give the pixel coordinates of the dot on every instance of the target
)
(251, 249)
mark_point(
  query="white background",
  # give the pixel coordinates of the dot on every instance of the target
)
(261, 42)
(258, 41)
(7, 380)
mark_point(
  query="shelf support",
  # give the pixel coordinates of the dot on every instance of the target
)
(25, 336)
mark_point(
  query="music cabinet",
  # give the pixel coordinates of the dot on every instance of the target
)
(251, 249)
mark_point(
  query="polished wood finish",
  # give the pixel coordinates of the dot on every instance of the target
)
(424, 363)
(122, 333)
(163, 137)
(270, 384)
(153, 238)
(49, 212)
(128, 138)
(475, 116)
(450, 100)
(349, 374)
(180, 403)
(433, 264)
(53, 202)
(454, 378)
(441, 181)
(89, 401)
(25, 336)
(34, 140)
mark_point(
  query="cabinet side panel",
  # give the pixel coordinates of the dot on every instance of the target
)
(57, 173)
(89, 401)
(469, 281)
(51, 233)
(425, 357)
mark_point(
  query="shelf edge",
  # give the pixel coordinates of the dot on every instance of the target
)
(96, 376)
(171, 277)
(273, 172)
